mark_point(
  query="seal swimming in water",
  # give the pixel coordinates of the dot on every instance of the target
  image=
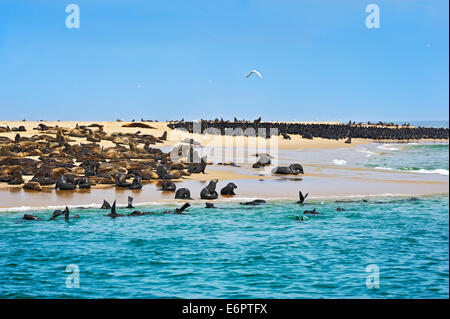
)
(302, 198)
(113, 213)
(58, 212)
(183, 193)
(30, 217)
(139, 213)
(209, 192)
(311, 212)
(209, 205)
(105, 205)
(130, 202)
(229, 189)
(178, 211)
(301, 219)
(340, 209)
(254, 202)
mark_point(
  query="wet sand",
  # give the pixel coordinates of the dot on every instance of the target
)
(320, 180)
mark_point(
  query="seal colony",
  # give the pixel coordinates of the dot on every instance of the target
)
(74, 159)
(375, 131)
(63, 157)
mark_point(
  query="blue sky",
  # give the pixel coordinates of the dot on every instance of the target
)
(171, 59)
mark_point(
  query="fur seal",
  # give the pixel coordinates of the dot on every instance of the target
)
(229, 189)
(209, 192)
(58, 212)
(130, 202)
(139, 213)
(162, 172)
(66, 182)
(209, 205)
(340, 209)
(254, 202)
(294, 169)
(136, 184)
(183, 193)
(30, 217)
(197, 168)
(301, 219)
(178, 211)
(302, 198)
(285, 136)
(113, 213)
(121, 180)
(84, 183)
(168, 185)
(311, 212)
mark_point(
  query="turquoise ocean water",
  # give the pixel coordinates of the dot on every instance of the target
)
(243, 252)
(233, 252)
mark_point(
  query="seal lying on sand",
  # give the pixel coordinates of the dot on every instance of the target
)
(302, 198)
(197, 168)
(169, 186)
(229, 189)
(136, 183)
(183, 193)
(254, 202)
(84, 183)
(311, 212)
(294, 169)
(121, 180)
(66, 182)
(162, 172)
(113, 213)
(209, 192)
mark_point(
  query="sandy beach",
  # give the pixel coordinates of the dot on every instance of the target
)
(321, 179)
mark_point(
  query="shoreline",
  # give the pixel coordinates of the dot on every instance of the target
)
(321, 179)
(231, 201)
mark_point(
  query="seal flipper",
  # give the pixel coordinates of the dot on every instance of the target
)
(113, 209)
(302, 198)
(186, 205)
(180, 210)
(66, 213)
(130, 202)
(105, 205)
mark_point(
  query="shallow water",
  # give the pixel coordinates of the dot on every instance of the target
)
(233, 252)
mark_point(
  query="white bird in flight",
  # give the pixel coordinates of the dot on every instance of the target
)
(254, 71)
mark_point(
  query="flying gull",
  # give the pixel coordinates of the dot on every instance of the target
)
(254, 71)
